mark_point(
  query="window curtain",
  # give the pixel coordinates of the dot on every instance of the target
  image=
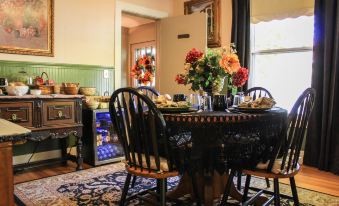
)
(241, 31)
(268, 10)
(322, 143)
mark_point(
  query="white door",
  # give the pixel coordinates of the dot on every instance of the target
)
(173, 50)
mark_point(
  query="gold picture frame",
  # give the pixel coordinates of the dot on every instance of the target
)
(27, 27)
(212, 8)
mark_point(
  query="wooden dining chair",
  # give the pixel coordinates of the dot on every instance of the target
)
(285, 159)
(141, 129)
(149, 91)
(256, 92)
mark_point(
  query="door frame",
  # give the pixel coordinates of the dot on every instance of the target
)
(134, 10)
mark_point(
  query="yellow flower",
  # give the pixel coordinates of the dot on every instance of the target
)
(230, 63)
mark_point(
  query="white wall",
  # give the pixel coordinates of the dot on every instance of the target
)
(83, 34)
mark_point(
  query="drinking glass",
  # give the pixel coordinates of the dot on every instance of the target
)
(207, 103)
(195, 100)
(236, 100)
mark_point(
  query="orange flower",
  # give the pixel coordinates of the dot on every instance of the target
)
(230, 63)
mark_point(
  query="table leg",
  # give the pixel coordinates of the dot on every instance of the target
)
(79, 153)
(208, 190)
(210, 187)
(64, 156)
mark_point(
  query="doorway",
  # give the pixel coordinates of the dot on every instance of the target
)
(138, 39)
(135, 10)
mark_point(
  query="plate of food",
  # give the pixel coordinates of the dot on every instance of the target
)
(261, 104)
(165, 104)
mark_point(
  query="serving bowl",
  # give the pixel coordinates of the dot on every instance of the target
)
(71, 90)
(35, 91)
(87, 91)
(92, 104)
(17, 90)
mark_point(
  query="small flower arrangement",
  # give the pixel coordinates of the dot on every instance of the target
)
(207, 71)
(143, 70)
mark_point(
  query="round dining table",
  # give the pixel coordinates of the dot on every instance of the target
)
(217, 141)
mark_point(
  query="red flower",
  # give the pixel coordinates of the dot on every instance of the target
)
(193, 55)
(180, 79)
(240, 78)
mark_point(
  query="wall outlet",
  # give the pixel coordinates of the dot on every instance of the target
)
(106, 74)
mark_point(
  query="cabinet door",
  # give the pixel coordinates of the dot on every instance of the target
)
(17, 112)
(58, 112)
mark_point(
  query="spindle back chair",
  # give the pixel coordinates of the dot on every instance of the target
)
(257, 92)
(141, 129)
(149, 91)
(286, 154)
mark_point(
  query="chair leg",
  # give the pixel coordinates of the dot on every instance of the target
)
(276, 192)
(133, 181)
(294, 191)
(239, 180)
(162, 191)
(267, 182)
(227, 188)
(125, 190)
(195, 189)
(247, 186)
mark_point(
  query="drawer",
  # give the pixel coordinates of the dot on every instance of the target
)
(58, 112)
(19, 112)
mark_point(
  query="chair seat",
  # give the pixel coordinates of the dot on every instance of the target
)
(163, 162)
(150, 174)
(265, 174)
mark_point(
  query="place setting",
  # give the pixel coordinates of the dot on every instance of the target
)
(180, 103)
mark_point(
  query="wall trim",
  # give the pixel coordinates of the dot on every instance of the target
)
(67, 66)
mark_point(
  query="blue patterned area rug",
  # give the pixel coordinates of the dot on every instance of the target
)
(103, 185)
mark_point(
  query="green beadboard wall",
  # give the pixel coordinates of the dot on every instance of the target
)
(86, 75)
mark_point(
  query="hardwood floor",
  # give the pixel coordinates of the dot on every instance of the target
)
(313, 179)
(308, 178)
(43, 172)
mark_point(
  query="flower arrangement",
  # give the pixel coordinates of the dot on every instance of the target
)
(207, 71)
(143, 70)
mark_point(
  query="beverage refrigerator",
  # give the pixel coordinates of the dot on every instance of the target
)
(100, 142)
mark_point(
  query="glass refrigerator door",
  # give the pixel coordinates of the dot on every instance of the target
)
(107, 143)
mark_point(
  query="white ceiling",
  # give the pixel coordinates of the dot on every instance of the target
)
(130, 21)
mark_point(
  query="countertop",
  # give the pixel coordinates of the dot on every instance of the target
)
(12, 132)
(53, 96)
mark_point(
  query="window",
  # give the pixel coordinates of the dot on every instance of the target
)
(282, 57)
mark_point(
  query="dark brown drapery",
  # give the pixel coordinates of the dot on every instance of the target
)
(241, 30)
(322, 145)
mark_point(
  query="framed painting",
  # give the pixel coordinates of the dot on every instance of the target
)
(26, 27)
(212, 9)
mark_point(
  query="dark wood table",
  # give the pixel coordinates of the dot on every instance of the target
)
(48, 117)
(228, 138)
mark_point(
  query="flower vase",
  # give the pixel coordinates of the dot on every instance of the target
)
(218, 85)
